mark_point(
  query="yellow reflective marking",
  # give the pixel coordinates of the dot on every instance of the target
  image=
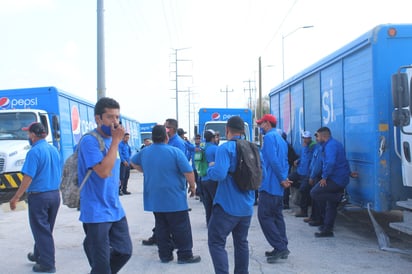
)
(383, 127)
(11, 180)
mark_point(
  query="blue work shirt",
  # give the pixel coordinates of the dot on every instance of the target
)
(210, 155)
(335, 166)
(178, 142)
(125, 152)
(315, 168)
(275, 162)
(304, 159)
(42, 164)
(233, 201)
(99, 198)
(164, 183)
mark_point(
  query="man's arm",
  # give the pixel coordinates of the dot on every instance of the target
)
(25, 183)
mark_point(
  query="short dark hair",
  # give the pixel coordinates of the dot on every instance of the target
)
(172, 122)
(324, 130)
(236, 124)
(159, 134)
(103, 103)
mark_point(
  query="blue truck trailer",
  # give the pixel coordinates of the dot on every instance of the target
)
(65, 117)
(349, 91)
(216, 118)
(146, 131)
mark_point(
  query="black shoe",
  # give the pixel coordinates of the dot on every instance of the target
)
(150, 241)
(31, 258)
(276, 254)
(191, 260)
(272, 253)
(125, 192)
(315, 223)
(40, 268)
(120, 193)
(286, 207)
(324, 234)
(167, 259)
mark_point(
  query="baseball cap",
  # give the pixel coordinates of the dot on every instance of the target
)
(209, 134)
(268, 118)
(181, 131)
(306, 134)
(236, 122)
(36, 128)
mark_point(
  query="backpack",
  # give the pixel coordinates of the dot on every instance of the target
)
(201, 163)
(248, 173)
(69, 185)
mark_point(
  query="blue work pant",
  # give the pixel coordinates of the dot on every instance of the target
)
(330, 195)
(108, 246)
(271, 220)
(220, 226)
(173, 230)
(43, 208)
(209, 191)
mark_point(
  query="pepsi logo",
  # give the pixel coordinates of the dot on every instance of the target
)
(4, 102)
(215, 116)
(76, 124)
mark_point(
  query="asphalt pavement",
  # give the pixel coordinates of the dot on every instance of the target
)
(354, 249)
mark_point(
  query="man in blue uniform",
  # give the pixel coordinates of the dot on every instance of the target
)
(232, 208)
(107, 244)
(334, 179)
(164, 193)
(41, 178)
(125, 153)
(270, 206)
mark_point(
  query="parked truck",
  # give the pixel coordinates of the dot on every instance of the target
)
(65, 117)
(146, 131)
(216, 118)
(349, 91)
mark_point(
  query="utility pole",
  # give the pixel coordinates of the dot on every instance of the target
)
(101, 82)
(227, 92)
(250, 90)
(176, 79)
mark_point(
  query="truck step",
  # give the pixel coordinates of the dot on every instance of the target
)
(402, 226)
(405, 204)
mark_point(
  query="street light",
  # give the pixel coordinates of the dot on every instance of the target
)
(283, 47)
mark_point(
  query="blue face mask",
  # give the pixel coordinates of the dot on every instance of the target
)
(262, 131)
(106, 130)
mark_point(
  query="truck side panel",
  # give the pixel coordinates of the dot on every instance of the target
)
(350, 92)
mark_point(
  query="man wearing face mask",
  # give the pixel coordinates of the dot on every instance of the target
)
(41, 179)
(107, 244)
(270, 206)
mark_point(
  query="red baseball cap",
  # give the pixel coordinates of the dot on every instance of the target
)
(268, 118)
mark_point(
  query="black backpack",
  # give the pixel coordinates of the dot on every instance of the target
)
(248, 173)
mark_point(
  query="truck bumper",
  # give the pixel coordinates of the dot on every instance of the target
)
(9, 183)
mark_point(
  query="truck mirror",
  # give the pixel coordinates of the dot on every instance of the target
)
(256, 134)
(401, 117)
(400, 91)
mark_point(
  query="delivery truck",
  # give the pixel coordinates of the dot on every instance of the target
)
(65, 117)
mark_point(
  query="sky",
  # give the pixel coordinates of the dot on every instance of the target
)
(217, 45)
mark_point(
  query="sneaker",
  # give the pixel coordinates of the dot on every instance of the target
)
(31, 258)
(324, 234)
(40, 268)
(120, 193)
(150, 241)
(278, 255)
(125, 192)
(191, 260)
(166, 260)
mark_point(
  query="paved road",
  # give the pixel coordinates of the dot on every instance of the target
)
(354, 249)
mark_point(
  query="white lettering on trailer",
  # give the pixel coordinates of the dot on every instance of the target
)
(327, 105)
(226, 117)
(25, 103)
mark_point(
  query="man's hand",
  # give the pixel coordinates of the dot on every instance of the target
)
(322, 183)
(286, 183)
(192, 191)
(13, 202)
(311, 181)
(117, 133)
